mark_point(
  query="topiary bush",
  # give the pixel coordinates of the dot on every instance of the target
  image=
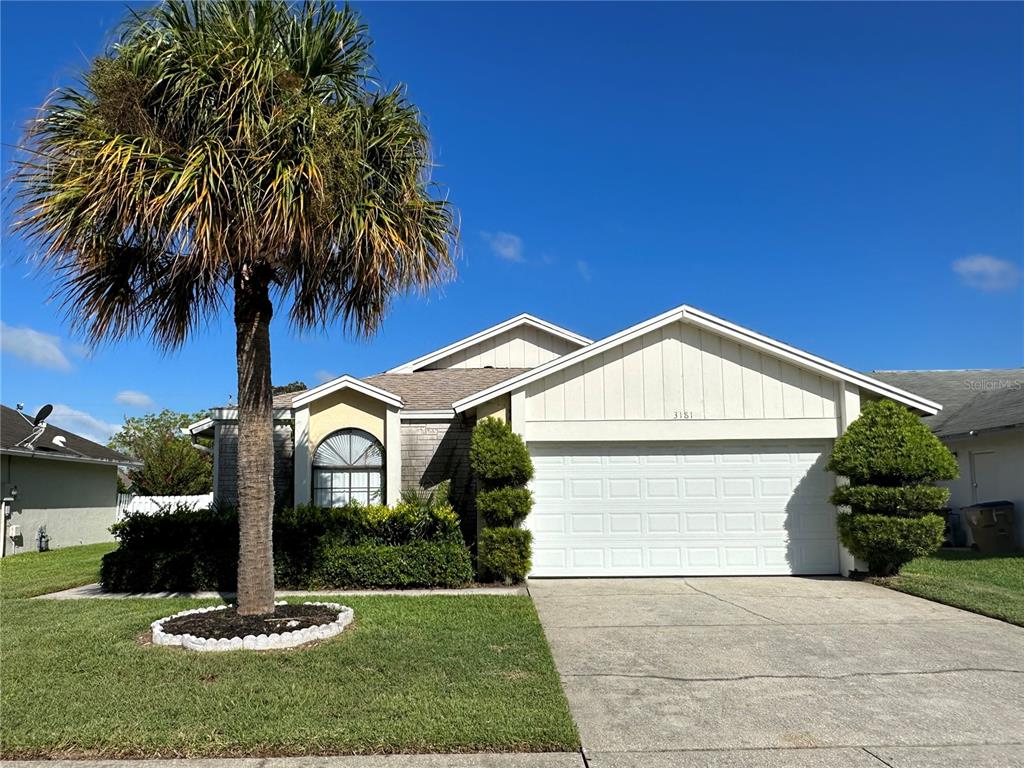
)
(498, 455)
(504, 554)
(890, 458)
(504, 506)
(890, 446)
(373, 566)
(887, 542)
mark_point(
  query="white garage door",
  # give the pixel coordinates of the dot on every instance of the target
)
(649, 509)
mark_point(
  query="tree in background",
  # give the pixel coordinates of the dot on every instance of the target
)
(295, 386)
(891, 460)
(503, 467)
(171, 464)
(234, 154)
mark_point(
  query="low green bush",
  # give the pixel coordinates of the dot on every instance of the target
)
(498, 455)
(888, 543)
(905, 501)
(369, 566)
(503, 554)
(504, 506)
(186, 550)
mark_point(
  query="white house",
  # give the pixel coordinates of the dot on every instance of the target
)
(683, 445)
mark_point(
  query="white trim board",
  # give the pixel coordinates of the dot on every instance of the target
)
(346, 382)
(687, 314)
(488, 333)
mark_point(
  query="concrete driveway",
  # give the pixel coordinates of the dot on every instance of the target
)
(778, 671)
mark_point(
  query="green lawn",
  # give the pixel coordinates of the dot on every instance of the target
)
(36, 573)
(992, 585)
(438, 674)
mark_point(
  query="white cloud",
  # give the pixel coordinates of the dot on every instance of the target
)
(505, 245)
(134, 399)
(324, 376)
(34, 347)
(584, 269)
(82, 423)
(987, 273)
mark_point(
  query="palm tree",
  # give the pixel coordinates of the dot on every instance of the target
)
(234, 152)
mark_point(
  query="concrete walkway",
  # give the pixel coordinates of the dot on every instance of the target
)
(773, 672)
(93, 591)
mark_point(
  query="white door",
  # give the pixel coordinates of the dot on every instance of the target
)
(984, 477)
(660, 509)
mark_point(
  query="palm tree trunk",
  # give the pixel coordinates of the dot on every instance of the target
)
(253, 310)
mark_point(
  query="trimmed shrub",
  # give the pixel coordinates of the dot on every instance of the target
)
(887, 543)
(370, 566)
(504, 506)
(185, 550)
(504, 554)
(890, 458)
(890, 446)
(498, 455)
(906, 501)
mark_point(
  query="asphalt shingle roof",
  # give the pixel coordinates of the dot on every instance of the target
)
(974, 399)
(14, 429)
(429, 390)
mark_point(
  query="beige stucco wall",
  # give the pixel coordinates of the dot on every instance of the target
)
(75, 501)
(497, 408)
(345, 409)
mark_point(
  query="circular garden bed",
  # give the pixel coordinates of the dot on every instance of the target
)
(222, 628)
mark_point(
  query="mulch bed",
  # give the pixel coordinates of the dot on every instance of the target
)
(228, 624)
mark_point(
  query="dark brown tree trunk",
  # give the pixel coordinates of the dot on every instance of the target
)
(253, 311)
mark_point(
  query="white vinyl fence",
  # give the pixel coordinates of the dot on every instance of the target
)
(127, 504)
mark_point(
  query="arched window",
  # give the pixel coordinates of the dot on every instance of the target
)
(348, 466)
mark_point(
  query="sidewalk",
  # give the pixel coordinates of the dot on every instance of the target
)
(93, 591)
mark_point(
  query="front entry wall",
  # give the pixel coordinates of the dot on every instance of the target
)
(346, 409)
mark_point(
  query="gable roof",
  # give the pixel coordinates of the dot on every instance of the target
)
(488, 333)
(717, 325)
(345, 382)
(14, 429)
(974, 399)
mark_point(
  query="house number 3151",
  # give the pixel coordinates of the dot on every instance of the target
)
(682, 414)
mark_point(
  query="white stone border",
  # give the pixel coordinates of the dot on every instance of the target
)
(252, 642)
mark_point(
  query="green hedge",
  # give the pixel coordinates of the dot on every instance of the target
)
(504, 554)
(888, 542)
(903, 501)
(185, 550)
(504, 506)
(498, 455)
(368, 566)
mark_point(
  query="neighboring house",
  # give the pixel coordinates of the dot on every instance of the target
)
(682, 445)
(982, 422)
(59, 488)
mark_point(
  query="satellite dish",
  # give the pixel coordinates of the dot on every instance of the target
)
(60, 441)
(45, 411)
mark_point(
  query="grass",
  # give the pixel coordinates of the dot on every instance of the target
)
(414, 674)
(992, 585)
(37, 573)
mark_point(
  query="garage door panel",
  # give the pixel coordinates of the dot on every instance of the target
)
(657, 509)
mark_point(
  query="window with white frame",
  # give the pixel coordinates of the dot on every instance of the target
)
(348, 466)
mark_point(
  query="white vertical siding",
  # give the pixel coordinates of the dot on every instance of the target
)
(522, 347)
(681, 372)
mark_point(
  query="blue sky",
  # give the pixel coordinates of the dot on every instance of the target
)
(846, 178)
